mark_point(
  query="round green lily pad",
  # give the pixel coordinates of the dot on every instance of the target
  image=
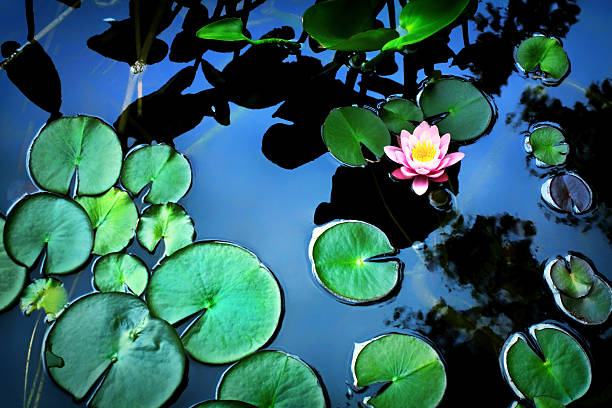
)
(48, 294)
(112, 336)
(575, 282)
(467, 112)
(398, 114)
(594, 308)
(168, 172)
(340, 254)
(46, 222)
(412, 367)
(236, 299)
(562, 371)
(119, 273)
(169, 222)
(223, 404)
(83, 144)
(12, 276)
(548, 145)
(272, 379)
(545, 54)
(114, 217)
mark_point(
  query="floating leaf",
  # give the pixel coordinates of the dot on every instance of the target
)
(594, 308)
(345, 129)
(236, 299)
(398, 114)
(562, 371)
(168, 172)
(578, 281)
(45, 222)
(114, 217)
(545, 402)
(227, 29)
(81, 144)
(568, 193)
(467, 112)
(543, 53)
(223, 404)
(412, 367)
(169, 222)
(110, 339)
(119, 272)
(549, 145)
(48, 294)
(12, 276)
(340, 254)
(272, 379)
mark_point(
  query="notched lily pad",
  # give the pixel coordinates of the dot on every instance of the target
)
(543, 54)
(12, 275)
(548, 145)
(48, 294)
(575, 278)
(120, 273)
(567, 193)
(169, 222)
(272, 379)
(399, 114)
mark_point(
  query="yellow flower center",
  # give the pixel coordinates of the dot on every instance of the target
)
(424, 151)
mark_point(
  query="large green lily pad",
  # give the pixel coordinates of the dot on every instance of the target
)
(340, 254)
(46, 222)
(467, 112)
(236, 299)
(169, 222)
(346, 129)
(12, 276)
(548, 145)
(398, 114)
(81, 144)
(562, 372)
(272, 379)
(48, 294)
(119, 273)
(412, 367)
(575, 282)
(111, 339)
(168, 172)
(545, 54)
(114, 217)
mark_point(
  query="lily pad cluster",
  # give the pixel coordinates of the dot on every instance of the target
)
(544, 56)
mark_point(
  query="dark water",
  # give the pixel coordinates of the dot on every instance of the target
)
(473, 281)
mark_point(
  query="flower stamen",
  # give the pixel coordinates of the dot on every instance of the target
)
(424, 151)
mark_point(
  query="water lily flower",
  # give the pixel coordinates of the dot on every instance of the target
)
(422, 155)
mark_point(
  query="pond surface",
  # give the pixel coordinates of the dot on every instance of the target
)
(470, 277)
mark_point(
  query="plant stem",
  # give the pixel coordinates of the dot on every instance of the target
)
(391, 10)
(371, 64)
(466, 34)
(280, 41)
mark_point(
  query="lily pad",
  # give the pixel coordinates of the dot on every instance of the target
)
(236, 299)
(413, 369)
(346, 129)
(398, 114)
(81, 144)
(227, 29)
(48, 294)
(46, 222)
(548, 145)
(545, 402)
(223, 404)
(594, 308)
(272, 379)
(559, 369)
(169, 222)
(109, 343)
(113, 216)
(575, 282)
(168, 172)
(120, 273)
(545, 54)
(567, 193)
(12, 276)
(467, 114)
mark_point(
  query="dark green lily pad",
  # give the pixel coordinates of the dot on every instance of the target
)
(575, 282)
(467, 112)
(12, 276)
(83, 144)
(46, 222)
(412, 367)
(567, 193)
(548, 145)
(169, 222)
(545, 54)
(545, 402)
(223, 404)
(227, 29)
(113, 216)
(561, 372)
(272, 379)
(120, 273)
(236, 299)
(168, 172)
(112, 336)
(345, 129)
(398, 114)
(340, 254)
(48, 294)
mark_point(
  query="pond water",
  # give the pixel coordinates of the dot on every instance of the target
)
(470, 277)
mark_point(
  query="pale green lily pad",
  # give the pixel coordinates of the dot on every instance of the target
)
(112, 336)
(223, 404)
(81, 144)
(236, 299)
(340, 254)
(548, 145)
(46, 222)
(226, 29)
(48, 294)
(169, 222)
(120, 273)
(562, 372)
(398, 114)
(345, 129)
(12, 276)
(545, 54)
(113, 216)
(594, 308)
(467, 112)
(412, 367)
(168, 172)
(575, 282)
(272, 379)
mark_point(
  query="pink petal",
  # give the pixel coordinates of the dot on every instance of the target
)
(401, 174)
(435, 174)
(444, 142)
(451, 159)
(422, 171)
(396, 154)
(408, 172)
(434, 136)
(429, 166)
(423, 127)
(440, 178)
(420, 184)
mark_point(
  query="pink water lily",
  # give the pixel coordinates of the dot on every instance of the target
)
(422, 156)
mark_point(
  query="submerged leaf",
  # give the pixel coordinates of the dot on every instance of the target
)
(169, 222)
(48, 294)
(119, 272)
(398, 114)
(549, 145)
(12, 276)
(544, 53)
